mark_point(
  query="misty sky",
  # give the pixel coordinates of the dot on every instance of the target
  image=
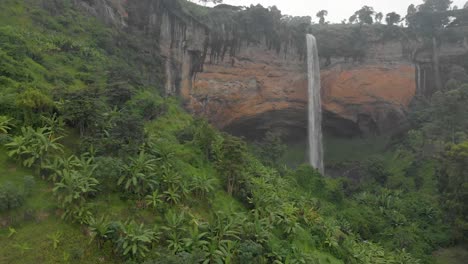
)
(337, 9)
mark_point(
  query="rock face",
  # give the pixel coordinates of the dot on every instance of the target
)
(251, 93)
(260, 90)
(373, 97)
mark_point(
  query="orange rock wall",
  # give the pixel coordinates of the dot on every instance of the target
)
(259, 81)
(350, 91)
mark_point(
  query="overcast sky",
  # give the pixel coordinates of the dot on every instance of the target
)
(337, 9)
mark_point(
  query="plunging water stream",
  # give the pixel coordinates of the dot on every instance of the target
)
(315, 106)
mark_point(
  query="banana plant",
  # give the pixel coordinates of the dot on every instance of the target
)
(135, 240)
(201, 185)
(99, 228)
(196, 240)
(138, 177)
(55, 238)
(34, 146)
(153, 200)
(74, 187)
(5, 124)
(172, 195)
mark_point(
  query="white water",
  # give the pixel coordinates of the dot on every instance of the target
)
(315, 106)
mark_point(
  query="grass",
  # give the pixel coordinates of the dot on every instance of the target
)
(32, 244)
(35, 221)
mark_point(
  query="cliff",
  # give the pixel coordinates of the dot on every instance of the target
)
(254, 88)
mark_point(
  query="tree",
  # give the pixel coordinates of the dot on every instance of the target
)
(375, 170)
(271, 149)
(453, 185)
(231, 161)
(435, 5)
(379, 17)
(322, 14)
(33, 102)
(392, 18)
(363, 16)
(83, 110)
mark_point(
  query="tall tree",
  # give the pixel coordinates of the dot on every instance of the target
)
(435, 5)
(363, 16)
(230, 163)
(392, 18)
(321, 15)
(378, 17)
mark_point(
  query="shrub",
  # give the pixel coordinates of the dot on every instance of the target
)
(28, 185)
(10, 197)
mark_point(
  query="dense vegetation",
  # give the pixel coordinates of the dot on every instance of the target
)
(97, 167)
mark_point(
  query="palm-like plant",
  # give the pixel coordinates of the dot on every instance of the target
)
(154, 199)
(201, 185)
(213, 254)
(228, 251)
(33, 146)
(23, 247)
(169, 176)
(55, 124)
(58, 164)
(135, 240)
(172, 195)
(174, 230)
(55, 238)
(5, 124)
(139, 177)
(196, 240)
(175, 242)
(74, 187)
(99, 228)
(258, 228)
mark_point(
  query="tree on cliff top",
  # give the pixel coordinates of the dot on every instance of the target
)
(435, 5)
(392, 18)
(378, 17)
(322, 14)
(363, 16)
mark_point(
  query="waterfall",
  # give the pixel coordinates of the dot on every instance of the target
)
(315, 106)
